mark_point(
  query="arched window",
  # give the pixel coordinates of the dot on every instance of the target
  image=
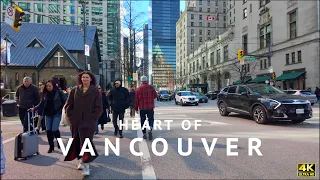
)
(34, 78)
(17, 79)
(25, 75)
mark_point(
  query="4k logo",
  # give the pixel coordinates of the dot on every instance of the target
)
(306, 170)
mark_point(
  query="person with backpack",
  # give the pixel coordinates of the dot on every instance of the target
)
(51, 103)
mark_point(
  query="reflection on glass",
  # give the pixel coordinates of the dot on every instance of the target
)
(54, 20)
(38, 7)
(68, 10)
(54, 8)
(68, 19)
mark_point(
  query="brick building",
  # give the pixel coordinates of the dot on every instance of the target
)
(46, 51)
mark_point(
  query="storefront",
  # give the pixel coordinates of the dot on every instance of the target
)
(294, 79)
(198, 87)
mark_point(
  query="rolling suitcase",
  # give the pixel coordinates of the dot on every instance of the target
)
(27, 144)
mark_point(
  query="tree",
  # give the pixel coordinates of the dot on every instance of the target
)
(243, 70)
(180, 80)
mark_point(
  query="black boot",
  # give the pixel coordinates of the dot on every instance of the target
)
(50, 137)
(57, 135)
(120, 134)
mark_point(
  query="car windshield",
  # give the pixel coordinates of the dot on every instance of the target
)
(306, 92)
(186, 94)
(163, 92)
(266, 89)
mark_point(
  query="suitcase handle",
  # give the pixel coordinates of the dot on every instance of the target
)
(29, 123)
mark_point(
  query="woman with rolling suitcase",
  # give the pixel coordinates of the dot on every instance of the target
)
(52, 103)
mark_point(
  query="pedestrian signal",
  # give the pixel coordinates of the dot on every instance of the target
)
(240, 54)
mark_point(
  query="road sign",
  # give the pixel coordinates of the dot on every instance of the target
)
(87, 50)
(135, 76)
(242, 62)
(9, 15)
(250, 58)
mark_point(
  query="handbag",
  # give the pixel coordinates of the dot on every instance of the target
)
(64, 118)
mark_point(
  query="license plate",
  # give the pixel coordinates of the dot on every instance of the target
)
(299, 111)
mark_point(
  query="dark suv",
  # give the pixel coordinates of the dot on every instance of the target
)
(264, 103)
(164, 95)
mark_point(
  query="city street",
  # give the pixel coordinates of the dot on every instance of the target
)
(283, 145)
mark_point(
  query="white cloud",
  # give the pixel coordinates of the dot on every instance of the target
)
(139, 36)
(149, 12)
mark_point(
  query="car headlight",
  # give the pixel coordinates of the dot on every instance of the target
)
(309, 102)
(273, 103)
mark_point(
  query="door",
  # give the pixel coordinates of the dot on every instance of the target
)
(230, 97)
(243, 99)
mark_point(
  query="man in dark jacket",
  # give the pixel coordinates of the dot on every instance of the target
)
(27, 96)
(119, 98)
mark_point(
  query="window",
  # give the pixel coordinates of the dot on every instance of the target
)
(245, 13)
(208, 3)
(54, 8)
(293, 57)
(242, 89)
(245, 43)
(200, 39)
(200, 2)
(267, 1)
(224, 18)
(192, 46)
(200, 31)
(38, 7)
(217, 3)
(293, 24)
(232, 89)
(200, 24)
(192, 23)
(225, 53)
(113, 75)
(299, 56)
(224, 4)
(261, 3)
(224, 10)
(192, 39)
(244, 1)
(218, 56)
(112, 64)
(200, 9)
(250, 7)
(261, 38)
(212, 58)
(200, 17)
(208, 32)
(192, 16)
(287, 59)
(208, 24)
(261, 64)
(208, 9)
(192, 31)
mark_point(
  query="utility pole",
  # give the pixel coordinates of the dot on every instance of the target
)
(6, 71)
(130, 43)
(84, 31)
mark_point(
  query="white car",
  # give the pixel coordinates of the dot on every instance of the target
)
(304, 93)
(186, 97)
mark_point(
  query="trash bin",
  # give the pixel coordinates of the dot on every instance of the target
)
(9, 108)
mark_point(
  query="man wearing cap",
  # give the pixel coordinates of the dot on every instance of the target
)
(120, 100)
(144, 101)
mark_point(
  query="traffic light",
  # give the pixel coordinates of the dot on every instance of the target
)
(132, 82)
(18, 13)
(273, 76)
(240, 54)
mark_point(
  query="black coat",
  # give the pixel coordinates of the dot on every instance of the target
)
(59, 101)
(105, 105)
(119, 99)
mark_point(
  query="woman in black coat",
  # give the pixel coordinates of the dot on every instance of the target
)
(104, 116)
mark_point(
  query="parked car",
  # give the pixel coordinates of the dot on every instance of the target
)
(304, 93)
(186, 97)
(212, 94)
(264, 103)
(9, 96)
(202, 98)
(164, 95)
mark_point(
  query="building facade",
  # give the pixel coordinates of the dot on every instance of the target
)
(57, 54)
(105, 15)
(283, 36)
(163, 36)
(145, 59)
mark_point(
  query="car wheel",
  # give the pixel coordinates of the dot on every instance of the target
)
(259, 115)
(206, 102)
(197, 104)
(297, 121)
(223, 109)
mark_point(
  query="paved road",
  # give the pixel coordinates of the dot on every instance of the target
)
(283, 145)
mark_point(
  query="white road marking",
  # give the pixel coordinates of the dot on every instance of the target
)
(8, 140)
(147, 168)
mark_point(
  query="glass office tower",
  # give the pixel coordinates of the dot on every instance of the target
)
(162, 41)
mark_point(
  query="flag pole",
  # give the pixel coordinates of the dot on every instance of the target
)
(6, 71)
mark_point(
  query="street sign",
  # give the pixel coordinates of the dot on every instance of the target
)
(87, 50)
(135, 76)
(9, 15)
(270, 69)
(242, 62)
(250, 58)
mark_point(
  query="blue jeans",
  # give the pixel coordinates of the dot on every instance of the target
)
(53, 122)
(150, 114)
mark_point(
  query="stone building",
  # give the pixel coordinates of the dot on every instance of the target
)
(49, 51)
(283, 36)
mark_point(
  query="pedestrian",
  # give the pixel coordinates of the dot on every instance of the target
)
(41, 123)
(317, 93)
(119, 98)
(52, 103)
(3, 158)
(104, 115)
(144, 101)
(27, 96)
(83, 108)
(132, 98)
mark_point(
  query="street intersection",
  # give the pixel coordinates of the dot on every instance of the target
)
(283, 145)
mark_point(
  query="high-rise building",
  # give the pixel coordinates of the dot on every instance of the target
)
(164, 15)
(145, 59)
(105, 15)
(200, 22)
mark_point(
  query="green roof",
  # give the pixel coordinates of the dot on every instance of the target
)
(260, 79)
(289, 76)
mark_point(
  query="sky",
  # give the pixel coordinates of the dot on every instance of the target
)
(139, 10)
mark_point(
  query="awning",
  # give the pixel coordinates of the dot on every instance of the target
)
(289, 76)
(239, 81)
(260, 79)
